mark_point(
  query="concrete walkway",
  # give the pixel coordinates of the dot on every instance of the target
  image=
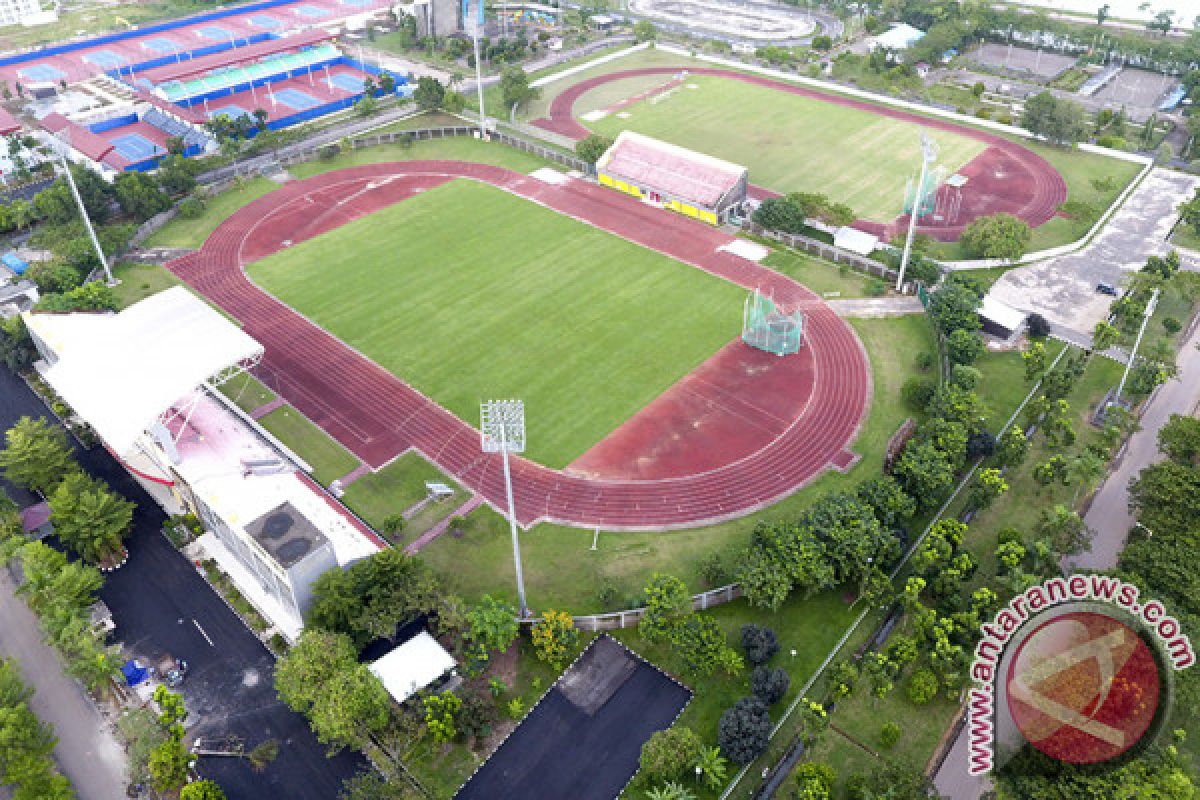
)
(87, 751)
(1108, 518)
(872, 307)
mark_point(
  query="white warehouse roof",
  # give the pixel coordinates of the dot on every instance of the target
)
(132, 366)
(412, 666)
(900, 37)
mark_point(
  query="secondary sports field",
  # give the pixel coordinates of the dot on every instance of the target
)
(466, 292)
(789, 142)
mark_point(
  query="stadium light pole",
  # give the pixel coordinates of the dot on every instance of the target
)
(502, 430)
(1146, 315)
(928, 155)
(476, 30)
(87, 222)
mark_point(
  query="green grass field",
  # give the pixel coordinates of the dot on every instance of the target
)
(328, 459)
(789, 142)
(586, 327)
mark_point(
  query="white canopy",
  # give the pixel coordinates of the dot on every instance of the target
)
(412, 666)
(900, 37)
(854, 240)
(133, 365)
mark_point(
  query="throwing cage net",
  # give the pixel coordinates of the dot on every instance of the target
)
(770, 328)
(923, 198)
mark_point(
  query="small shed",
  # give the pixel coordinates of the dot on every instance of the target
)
(14, 262)
(899, 37)
(412, 666)
(602, 22)
(1001, 320)
(854, 240)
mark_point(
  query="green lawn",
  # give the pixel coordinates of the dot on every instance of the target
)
(823, 277)
(561, 570)
(247, 392)
(191, 233)
(395, 488)
(1186, 236)
(328, 459)
(1003, 386)
(794, 143)
(462, 148)
(586, 327)
(139, 281)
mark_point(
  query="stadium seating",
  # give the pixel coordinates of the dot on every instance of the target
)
(173, 127)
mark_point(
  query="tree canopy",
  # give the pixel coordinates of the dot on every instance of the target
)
(1060, 120)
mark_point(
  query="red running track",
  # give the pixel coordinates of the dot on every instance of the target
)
(378, 416)
(1005, 177)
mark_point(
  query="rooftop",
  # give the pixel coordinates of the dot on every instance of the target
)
(684, 173)
(412, 666)
(286, 534)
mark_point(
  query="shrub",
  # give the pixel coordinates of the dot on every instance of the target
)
(714, 570)
(1171, 324)
(889, 734)
(191, 208)
(769, 685)
(924, 360)
(328, 152)
(964, 347)
(984, 113)
(996, 236)
(922, 686)
(813, 780)
(759, 642)
(744, 730)
(668, 754)
(876, 288)
(965, 377)
(917, 393)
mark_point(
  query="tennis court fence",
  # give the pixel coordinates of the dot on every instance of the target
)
(616, 620)
(824, 250)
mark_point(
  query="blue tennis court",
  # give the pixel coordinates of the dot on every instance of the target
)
(135, 147)
(231, 111)
(357, 3)
(347, 82)
(294, 98)
(266, 22)
(104, 58)
(215, 32)
(312, 12)
(161, 44)
(41, 72)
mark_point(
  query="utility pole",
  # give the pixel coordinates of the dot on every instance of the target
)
(502, 430)
(928, 156)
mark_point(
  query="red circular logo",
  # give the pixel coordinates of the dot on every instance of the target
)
(1083, 687)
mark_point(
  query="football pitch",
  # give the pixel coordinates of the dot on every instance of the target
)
(789, 142)
(467, 292)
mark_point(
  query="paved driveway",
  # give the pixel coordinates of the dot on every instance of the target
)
(161, 604)
(1063, 289)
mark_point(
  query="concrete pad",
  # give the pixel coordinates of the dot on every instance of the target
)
(1063, 289)
(550, 176)
(751, 251)
(594, 116)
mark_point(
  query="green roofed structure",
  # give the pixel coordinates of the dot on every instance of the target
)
(770, 328)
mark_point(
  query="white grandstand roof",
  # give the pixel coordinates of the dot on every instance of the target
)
(132, 366)
(412, 666)
(668, 168)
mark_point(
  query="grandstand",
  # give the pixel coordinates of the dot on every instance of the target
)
(691, 183)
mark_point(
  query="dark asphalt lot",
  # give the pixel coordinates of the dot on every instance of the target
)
(564, 750)
(162, 605)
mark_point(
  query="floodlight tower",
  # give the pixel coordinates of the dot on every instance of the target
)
(928, 156)
(477, 30)
(87, 222)
(502, 430)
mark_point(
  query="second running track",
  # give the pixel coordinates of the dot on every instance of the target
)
(377, 416)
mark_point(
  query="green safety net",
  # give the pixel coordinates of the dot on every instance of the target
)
(924, 196)
(769, 328)
(176, 91)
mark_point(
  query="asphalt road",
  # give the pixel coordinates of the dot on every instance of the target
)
(161, 605)
(1108, 518)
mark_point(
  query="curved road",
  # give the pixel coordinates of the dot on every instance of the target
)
(377, 416)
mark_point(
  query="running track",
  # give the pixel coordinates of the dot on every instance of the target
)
(1004, 177)
(378, 416)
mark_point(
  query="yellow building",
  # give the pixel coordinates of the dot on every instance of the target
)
(685, 181)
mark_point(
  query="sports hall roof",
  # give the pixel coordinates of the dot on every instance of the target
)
(132, 366)
(670, 169)
(237, 55)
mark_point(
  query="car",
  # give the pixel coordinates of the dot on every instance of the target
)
(1106, 288)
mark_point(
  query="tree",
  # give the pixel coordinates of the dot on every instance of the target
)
(925, 473)
(645, 31)
(441, 716)
(429, 93)
(1034, 359)
(1165, 497)
(89, 518)
(36, 455)
(515, 88)
(667, 602)
(670, 791)
(759, 642)
(964, 347)
(139, 195)
(369, 785)
(670, 753)
(1102, 14)
(769, 685)
(202, 790)
(891, 504)
(954, 306)
(94, 296)
(813, 780)
(744, 730)
(169, 765)
(1059, 120)
(554, 637)
(996, 236)
(1011, 447)
(1179, 439)
(711, 767)
(1162, 22)
(779, 214)
(492, 625)
(989, 484)
(592, 146)
(387, 84)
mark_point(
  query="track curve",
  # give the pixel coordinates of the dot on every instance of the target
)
(377, 416)
(1005, 177)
